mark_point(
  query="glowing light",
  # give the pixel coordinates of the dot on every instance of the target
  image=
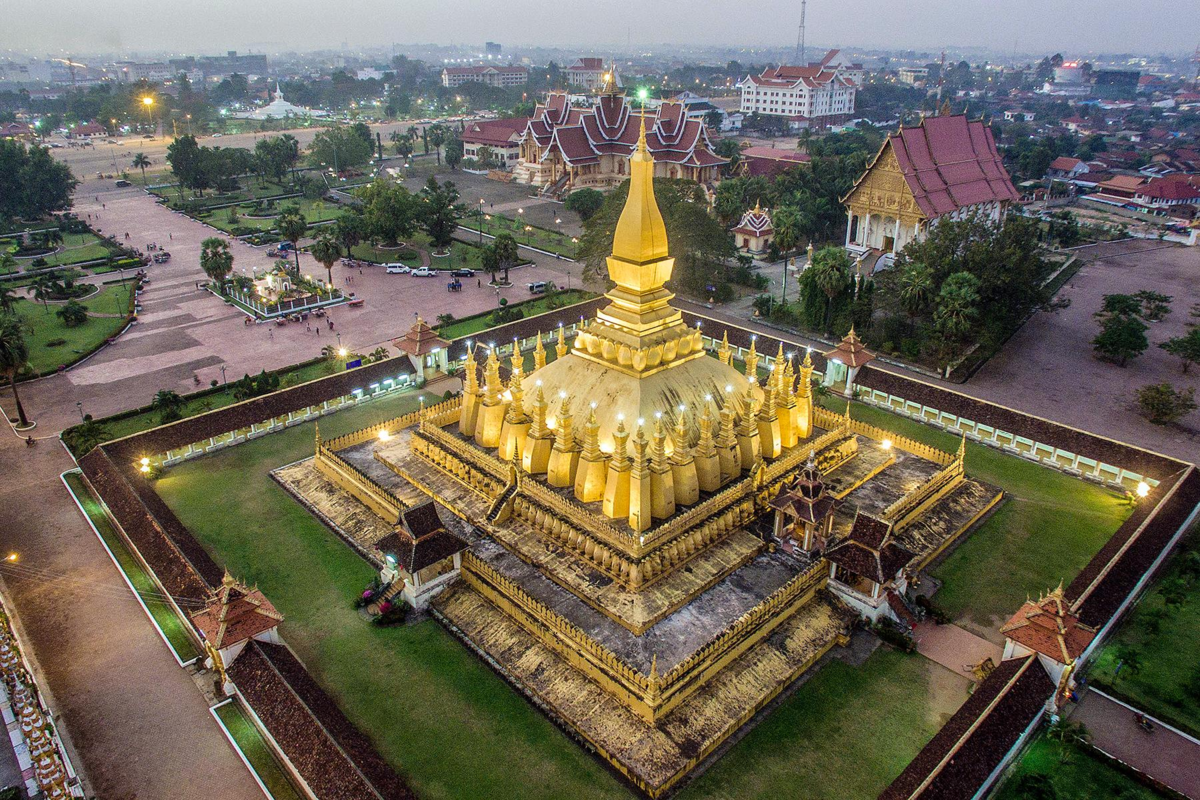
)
(658, 415)
(11, 557)
(708, 398)
(682, 407)
(145, 462)
(728, 388)
(538, 382)
(562, 394)
(620, 417)
(886, 444)
(147, 101)
(643, 93)
(384, 436)
(593, 405)
(145, 468)
(341, 352)
(641, 421)
(1143, 489)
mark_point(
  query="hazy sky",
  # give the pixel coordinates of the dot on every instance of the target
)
(208, 26)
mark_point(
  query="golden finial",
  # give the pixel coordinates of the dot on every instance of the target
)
(539, 353)
(317, 432)
(962, 448)
(517, 361)
(725, 353)
(560, 349)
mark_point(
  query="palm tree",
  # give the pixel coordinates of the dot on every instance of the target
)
(349, 229)
(7, 298)
(216, 261)
(50, 237)
(292, 226)
(14, 355)
(831, 273)
(169, 405)
(437, 135)
(7, 263)
(326, 250)
(786, 222)
(42, 288)
(916, 289)
(141, 162)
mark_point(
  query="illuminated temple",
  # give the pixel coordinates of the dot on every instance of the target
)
(633, 529)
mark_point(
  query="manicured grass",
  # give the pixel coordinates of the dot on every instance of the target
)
(436, 712)
(462, 254)
(168, 620)
(75, 249)
(313, 211)
(847, 733)
(1045, 531)
(252, 189)
(475, 324)
(389, 255)
(1083, 776)
(46, 327)
(256, 750)
(1165, 680)
(541, 238)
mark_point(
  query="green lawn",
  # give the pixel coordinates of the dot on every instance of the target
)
(256, 750)
(168, 620)
(313, 211)
(46, 327)
(1045, 531)
(1083, 776)
(435, 711)
(541, 238)
(462, 254)
(75, 249)
(475, 324)
(1165, 679)
(847, 733)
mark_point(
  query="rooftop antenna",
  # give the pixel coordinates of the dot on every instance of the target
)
(800, 35)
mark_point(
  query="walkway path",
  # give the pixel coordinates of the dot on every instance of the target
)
(954, 648)
(1166, 755)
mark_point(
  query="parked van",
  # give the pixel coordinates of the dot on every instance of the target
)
(540, 287)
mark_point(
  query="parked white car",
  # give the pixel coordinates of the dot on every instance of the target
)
(398, 269)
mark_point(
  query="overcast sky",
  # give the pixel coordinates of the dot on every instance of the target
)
(208, 26)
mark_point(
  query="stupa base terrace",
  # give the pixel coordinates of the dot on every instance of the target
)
(656, 677)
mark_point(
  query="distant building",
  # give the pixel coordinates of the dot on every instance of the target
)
(487, 74)
(1064, 168)
(492, 48)
(369, 73)
(502, 137)
(814, 95)
(754, 233)
(913, 76)
(214, 67)
(768, 162)
(1111, 83)
(946, 167)
(154, 72)
(590, 73)
(1076, 124)
(840, 63)
(565, 147)
(1018, 115)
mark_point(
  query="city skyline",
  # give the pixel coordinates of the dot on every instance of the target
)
(1022, 26)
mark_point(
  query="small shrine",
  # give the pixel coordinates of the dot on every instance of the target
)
(1049, 628)
(867, 570)
(754, 234)
(804, 512)
(233, 615)
(845, 360)
(420, 556)
(428, 352)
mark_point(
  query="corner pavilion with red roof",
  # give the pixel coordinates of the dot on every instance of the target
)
(945, 167)
(425, 349)
(845, 360)
(233, 615)
(1052, 631)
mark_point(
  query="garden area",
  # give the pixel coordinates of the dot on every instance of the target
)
(62, 249)
(1045, 530)
(457, 707)
(532, 235)
(467, 326)
(258, 217)
(1051, 770)
(462, 254)
(56, 337)
(1153, 660)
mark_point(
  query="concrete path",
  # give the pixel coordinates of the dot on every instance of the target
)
(954, 648)
(1169, 756)
(134, 720)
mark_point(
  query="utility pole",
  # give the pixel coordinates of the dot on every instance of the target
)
(941, 80)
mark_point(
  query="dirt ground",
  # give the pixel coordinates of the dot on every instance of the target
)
(1048, 367)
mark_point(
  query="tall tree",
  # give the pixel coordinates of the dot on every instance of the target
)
(349, 229)
(326, 251)
(831, 275)
(957, 306)
(440, 211)
(217, 261)
(14, 355)
(140, 161)
(501, 254)
(1186, 348)
(454, 152)
(292, 226)
(916, 290)
(436, 135)
(390, 212)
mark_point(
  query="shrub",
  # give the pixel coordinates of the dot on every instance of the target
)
(505, 314)
(56, 343)
(1162, 403)
(934, 611)
(888, 632)
(391, 614)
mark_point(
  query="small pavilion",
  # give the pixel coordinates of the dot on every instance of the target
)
(753, 235)
(867, 570)
(1049, 628)
(421, 556)
(804, 512)
(845, 360)
(428, 352)
(233, 615)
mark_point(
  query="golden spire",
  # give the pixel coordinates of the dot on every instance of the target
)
(517, 360)
(491, 379)
(658, 446)
(537, 428)
(620, 457)
(752, 360)
(591, 436)
(471, 370)
(725, 354)
(564, 438)
(539, 353)
(704, 447)
(683, 452)
(641, 235)
(560, 349)
(516, 409)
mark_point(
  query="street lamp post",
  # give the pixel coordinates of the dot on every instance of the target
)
(481, 222)
(148, 102)
(79, 408)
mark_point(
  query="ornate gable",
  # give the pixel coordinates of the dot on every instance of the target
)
(883, 189)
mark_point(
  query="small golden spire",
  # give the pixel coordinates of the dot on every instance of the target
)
(560, 349)
(725, 353)
(704, 446)
(539, 353)
(620, 457)
(517, 361)
(537, 427)
(492, 387)
(591, 437)
(752, 360)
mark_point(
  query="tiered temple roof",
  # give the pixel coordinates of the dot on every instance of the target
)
(420, 339)
(421, 540)
(869, 551)
(755, 222)
(235, 613)
(851, 351)
(581, 136)
(1049, 627)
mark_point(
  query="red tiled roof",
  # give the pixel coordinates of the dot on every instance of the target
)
(497, 132)
(420, 339)
(234, 614)
(1065, 163)
(755, 222)
(1161, 189)
(421, 541)
(1048, 627)
(851, 351)
(776, 154)
(588, 64)
(949, 163)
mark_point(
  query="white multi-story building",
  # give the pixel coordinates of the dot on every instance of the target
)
(814, 95)
(491, 75)
(591, 74)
